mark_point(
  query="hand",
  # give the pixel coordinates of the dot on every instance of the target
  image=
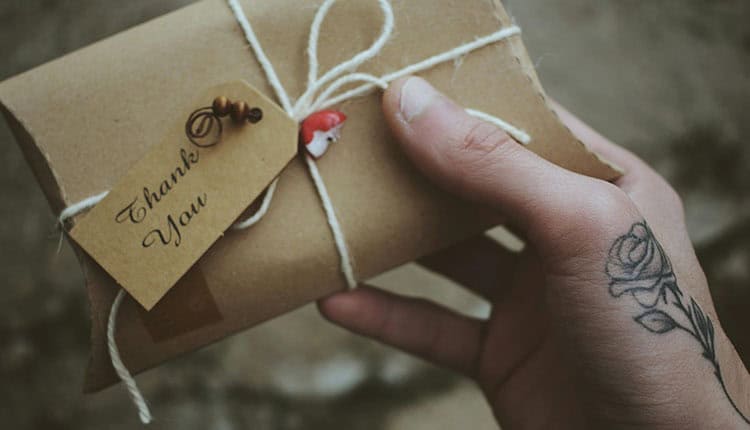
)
(603, 321)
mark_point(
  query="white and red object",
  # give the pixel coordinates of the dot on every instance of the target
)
(321, 129)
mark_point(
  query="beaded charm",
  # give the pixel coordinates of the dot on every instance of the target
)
(321, 129)
(204, 127)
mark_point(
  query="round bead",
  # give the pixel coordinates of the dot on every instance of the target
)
(254, 115)
(221, 106)
(239, 111)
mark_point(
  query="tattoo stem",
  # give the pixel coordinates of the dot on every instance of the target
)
(637, 265)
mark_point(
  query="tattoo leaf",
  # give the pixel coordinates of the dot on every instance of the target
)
(704, 329)
(638, 265)
(656, 321)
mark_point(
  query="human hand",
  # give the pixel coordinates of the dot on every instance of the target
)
(605, 319)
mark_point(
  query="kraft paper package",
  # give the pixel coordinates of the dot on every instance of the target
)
(84, 120)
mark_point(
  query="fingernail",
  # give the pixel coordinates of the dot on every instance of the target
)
(416, 96)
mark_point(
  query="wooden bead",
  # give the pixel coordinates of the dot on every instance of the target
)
(221, 106)
(239, 111)
(255, 115)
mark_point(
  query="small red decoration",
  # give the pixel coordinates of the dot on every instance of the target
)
(321, 129)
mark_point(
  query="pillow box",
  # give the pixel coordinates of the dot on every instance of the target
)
(390, 213)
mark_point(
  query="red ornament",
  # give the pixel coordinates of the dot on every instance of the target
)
(321, 129)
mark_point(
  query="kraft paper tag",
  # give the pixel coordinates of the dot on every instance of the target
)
(176, 201)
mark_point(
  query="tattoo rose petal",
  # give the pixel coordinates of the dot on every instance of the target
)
(637, 266)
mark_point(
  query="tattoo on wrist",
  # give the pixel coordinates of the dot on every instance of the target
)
(638, 267)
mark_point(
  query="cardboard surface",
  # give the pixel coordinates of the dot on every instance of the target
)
(388, 211)
(190, 307)
(177, 200)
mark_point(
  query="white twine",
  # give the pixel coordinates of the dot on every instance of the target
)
(333, 222)
(114, 353)
(328, 84)
(85, 204)
(512, 130)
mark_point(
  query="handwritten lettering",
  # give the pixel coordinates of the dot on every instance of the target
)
(137, 210)
(173, 231)
(131, 212)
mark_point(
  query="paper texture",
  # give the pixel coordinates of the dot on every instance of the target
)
(177, 200)
(388, 211)
(190, 307)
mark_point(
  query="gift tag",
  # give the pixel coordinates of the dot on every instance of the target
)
(176, 201)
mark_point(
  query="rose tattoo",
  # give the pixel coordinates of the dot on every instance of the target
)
(637, 265)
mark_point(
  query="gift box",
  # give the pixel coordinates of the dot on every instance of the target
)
(84, 120)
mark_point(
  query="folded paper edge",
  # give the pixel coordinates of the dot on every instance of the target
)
(41, 167)
(522, 56)
(38, 159)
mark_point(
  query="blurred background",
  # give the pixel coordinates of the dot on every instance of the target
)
(670, 80)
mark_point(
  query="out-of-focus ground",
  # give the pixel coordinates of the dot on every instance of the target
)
(669, 80)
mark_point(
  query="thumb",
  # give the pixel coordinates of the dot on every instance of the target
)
(477, 160)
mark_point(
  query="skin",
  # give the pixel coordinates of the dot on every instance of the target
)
(558, 351)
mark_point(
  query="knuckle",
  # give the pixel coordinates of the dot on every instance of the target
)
(606, 203)
(671, 197)
(386, 320)
(430, 330)
(483, 139)
(592, 214)
(581, 227)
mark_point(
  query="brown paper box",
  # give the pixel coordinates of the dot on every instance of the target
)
(84, 119)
